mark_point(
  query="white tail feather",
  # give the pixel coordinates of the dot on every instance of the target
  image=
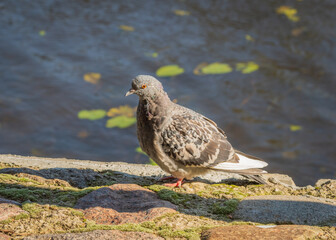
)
(244, 163)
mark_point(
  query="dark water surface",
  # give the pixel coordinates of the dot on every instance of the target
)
(42, 87)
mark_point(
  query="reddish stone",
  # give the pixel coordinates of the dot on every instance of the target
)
(9, 208)
(4, 237)
(123, 203)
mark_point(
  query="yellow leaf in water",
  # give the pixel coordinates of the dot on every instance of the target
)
(155, 54)
(181, 12)
(42, 33)
(295, 128)
(216, 68)
(92, 77)
(198, 68)
(122, 110)
(248, 67)
(298, 31)
(169, 71)
(249, 38)
(291, 13)
(126, 28)
(83, 134)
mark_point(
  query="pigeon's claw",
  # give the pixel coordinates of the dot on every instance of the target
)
(176, 184)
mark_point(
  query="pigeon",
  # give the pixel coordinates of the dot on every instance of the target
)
(182, 142)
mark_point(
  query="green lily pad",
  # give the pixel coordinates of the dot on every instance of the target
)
(169, 71)
(248, 67)
(139, 150)
(120, 122)
(151, 162)
(216, 68)
(92, 114)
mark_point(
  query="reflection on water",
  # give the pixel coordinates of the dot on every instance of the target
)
(47, 47)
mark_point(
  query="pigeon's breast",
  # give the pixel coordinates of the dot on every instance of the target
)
(145, 129)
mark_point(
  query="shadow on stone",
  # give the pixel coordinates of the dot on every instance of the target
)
(281, 209)
(130, 199)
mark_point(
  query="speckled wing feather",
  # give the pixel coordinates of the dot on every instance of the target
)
(194, 140)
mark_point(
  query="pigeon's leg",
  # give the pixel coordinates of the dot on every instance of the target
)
(167, 178)
(177, 184)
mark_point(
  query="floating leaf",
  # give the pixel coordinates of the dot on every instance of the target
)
(126, 28)
(181, 12)
(295, 128)
(139, 150)
(83, 134)
(169, 71)
(42, 33)
(120, 122)
(122, 110)
(289, 12)
(249, 38)
(198, 69)
(298, 31)
(92, 114)
(248, 67)
(154, 54)
(92, 77)
(151, 162)
(216, 68)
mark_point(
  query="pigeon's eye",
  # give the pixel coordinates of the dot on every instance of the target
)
(143, 86)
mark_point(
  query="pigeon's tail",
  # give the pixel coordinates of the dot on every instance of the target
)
(245, 165)
(248, 166)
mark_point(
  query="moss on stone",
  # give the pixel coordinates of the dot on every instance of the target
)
(23, 189)
(48, 203)
(41, 219)
(227, 207)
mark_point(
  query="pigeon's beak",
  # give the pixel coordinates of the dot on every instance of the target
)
(131, 91)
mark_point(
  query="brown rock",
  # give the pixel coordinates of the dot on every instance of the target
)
(123, 203)
(282, 232)
(95, 235)
(4, 237)
(9, 208)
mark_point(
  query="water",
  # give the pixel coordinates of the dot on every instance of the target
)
(42, 86)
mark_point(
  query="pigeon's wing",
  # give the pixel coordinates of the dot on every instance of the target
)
(194, 140)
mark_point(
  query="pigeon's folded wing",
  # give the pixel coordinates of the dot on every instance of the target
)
(193, 140)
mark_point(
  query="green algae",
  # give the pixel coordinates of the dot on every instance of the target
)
(227, 207)
(201, 206)
(23, 189)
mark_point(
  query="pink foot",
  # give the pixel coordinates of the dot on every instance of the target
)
(167, 178)
(177, 184)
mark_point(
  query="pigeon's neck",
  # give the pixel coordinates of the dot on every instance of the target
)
(156, 106)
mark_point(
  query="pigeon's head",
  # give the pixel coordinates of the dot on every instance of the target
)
(145, 86)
